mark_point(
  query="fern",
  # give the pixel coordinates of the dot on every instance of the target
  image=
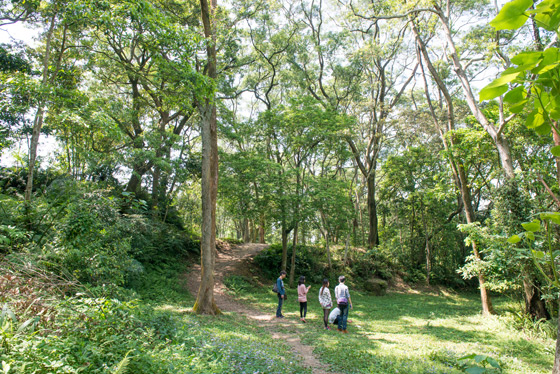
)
(123, 365)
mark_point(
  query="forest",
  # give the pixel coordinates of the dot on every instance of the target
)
(412, 146)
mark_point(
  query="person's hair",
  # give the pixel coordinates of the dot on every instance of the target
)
(325, 282)
(341, 279)
(301, 280)
(283, 272)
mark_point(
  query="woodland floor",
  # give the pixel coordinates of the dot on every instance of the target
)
(235, 261)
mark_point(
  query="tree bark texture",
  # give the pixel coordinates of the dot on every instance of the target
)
(205, 303)
(373, 238)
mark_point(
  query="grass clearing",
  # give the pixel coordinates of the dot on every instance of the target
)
(414, 333)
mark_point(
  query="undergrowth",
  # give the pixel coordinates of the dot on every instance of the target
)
(150, 329)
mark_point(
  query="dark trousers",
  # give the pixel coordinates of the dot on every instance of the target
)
(279, 309)
(343, 318)
(302, 309)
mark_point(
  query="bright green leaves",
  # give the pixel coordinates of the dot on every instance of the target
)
(532, 226)
(535, 79)
(547, 15)
(512, 16)
(538, 238)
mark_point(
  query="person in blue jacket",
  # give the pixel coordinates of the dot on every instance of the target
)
(281, 293)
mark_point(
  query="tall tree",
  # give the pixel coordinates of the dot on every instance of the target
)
(205, 298)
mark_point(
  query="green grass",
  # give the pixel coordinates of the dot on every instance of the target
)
(414, 333)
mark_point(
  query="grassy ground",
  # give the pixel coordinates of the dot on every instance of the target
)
(157, 333)
(414, 333)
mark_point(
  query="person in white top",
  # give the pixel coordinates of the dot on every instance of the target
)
(344, 303)
(326, 302)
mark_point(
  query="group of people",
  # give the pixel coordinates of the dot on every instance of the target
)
(338, 315)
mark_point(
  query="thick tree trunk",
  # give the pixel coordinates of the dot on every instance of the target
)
(534, 305)
(205, 303)
(246, 233)
(373, 238)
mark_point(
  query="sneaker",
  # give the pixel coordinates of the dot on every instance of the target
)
(327, 328)
(345, 331)
(303, 320)
(339, 330)
(279, 316)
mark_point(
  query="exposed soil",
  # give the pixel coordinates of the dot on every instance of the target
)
(235, 260)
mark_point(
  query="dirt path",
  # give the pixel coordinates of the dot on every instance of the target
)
(229, 262)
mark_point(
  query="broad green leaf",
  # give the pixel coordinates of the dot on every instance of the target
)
(479, 358)
(534, 119)
(515, 95)
(499, 85)
(555, 150)
(547, 15)
(529, 235)
(512, 15)
(489, 93)
(514, 239)
(533, 226)
(551, 216)
(538, 254)
(493, 362)
(527, 58)
(543, 129)
(475, 370)
(518, 108)
(468, 357)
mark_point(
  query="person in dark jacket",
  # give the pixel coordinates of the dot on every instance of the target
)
(281, 293)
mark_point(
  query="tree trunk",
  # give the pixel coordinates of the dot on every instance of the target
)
(293, 262)
(458, 169)
(487, 307)
(205, 303)
(373, 238)
(38, 122)
(534, 305)
(261, 231)
(285, 233)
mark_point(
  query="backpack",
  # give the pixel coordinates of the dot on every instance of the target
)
(275, 288)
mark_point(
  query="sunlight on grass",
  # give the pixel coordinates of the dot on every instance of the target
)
(413, 333)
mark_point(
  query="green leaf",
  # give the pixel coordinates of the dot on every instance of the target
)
(543, 129)
(534, 119)
(555, 150)
(551, 216)
(479, 358)
(529, 235)
(514, 239)
(499, 85)
(512, 15)
(493, 362)
(530, 59)
(489, 93)
(533, 226)
(475, 370)
(547, 15)
(515, 95)
(538, 254)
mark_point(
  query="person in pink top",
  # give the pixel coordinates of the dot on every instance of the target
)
(302, 298)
